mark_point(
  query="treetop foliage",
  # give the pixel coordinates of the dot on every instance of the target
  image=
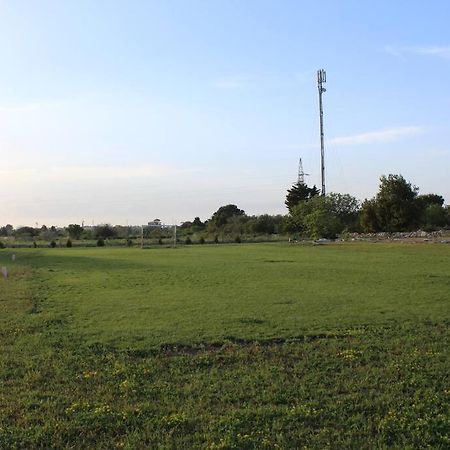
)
(299, 192)
(398, 207)
(326, 216)
(225, 213)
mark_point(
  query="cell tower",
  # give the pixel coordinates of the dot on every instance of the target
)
(321, 78)
(301, 173)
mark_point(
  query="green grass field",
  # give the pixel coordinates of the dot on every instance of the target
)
(226, 346)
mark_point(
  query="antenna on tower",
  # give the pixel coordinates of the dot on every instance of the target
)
(301, 173)
(321, 78)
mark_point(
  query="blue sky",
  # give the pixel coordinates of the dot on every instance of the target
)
(124, 111)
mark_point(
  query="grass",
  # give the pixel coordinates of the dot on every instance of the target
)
(236, 346)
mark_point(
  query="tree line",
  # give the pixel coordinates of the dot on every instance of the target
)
(397, 206)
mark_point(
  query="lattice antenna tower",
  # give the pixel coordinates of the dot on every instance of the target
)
(301, 173)
(321, 78)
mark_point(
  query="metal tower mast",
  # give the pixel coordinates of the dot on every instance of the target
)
(321, 78)
(301, 173)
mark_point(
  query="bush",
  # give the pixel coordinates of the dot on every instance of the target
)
(201, 240)
(216, 239)
(53, 244)
(69, 243)
(34, 244)
(188, 241)
(100, 243)
(160, 242)
(105, 231)
(237, 239)
(129, 243)
(2, 245)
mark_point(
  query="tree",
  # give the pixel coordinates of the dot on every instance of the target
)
(346, 208)
(298, 193)
(197, 224)
(265, 224)
(290, 225)
(396, 205)
(48, 234)
(7, 230)
(396, 202)
(434, 216)
(105, 231)
(74, 230)
(369, 216)
(26, 232)
(425, 200)
(326, 216)
(432, 211)
(315, 217)
(225, 213)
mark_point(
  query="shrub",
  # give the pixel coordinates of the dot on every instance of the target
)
(216, 239)
(202, 240)
(160, 242)
(69, 243)
(100, 243)
(237, 239)
(34, 244)
(129, 243)
(188, 241)
(53, 244)
(2, 245)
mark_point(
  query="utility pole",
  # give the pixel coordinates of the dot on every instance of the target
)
(321, 78)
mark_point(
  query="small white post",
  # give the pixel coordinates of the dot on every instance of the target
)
(5, 271)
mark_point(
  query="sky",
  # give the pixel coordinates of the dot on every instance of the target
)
(126, 111)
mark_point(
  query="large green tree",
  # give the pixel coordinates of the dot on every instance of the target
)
(326, 216)
(425, 200)
(74, 230)
(298, 193)
(432, 211)
(7, 230)
(395, 207)
(105, 231)
(369, 216)
(225, 213)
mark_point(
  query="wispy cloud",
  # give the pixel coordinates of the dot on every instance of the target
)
(433, 50)
(95, 173)
(377, 137)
